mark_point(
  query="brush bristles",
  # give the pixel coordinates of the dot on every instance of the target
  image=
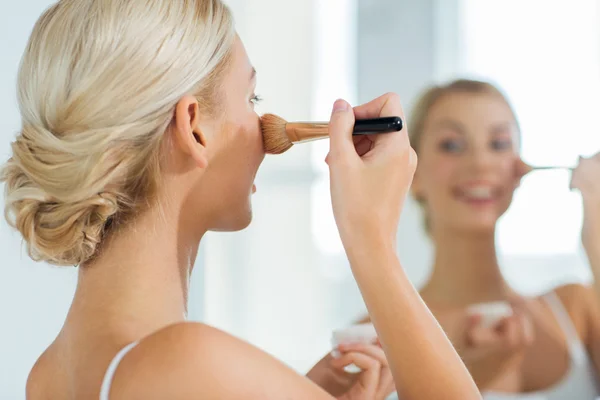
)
(275, 138)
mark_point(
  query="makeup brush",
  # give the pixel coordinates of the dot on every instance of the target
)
(523, 168)
(279, 135)
(549, 167)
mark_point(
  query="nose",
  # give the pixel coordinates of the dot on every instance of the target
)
(480, 159)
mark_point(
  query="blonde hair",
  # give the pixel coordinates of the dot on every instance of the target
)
(430, 96)
(97, 89)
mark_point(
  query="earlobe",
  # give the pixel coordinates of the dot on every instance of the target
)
(199, 156)
(189, 136)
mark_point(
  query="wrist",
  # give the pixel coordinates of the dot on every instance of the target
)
(360, 246)
(591, 206)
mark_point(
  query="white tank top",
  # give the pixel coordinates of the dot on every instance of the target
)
(581, 380)
(112, 368)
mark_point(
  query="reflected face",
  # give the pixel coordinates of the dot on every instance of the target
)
(468, 161)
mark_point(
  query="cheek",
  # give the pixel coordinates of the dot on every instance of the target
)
(243, 137)
(439, 173)
(508, 169)
(247, 127)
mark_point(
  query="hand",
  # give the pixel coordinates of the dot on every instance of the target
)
(375, 382)
(336, 381)
(489, 351)
(586, 178)
(370, 175)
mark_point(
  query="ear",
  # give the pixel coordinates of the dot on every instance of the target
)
(188, 136)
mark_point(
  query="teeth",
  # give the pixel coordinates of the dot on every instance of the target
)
(479, 192)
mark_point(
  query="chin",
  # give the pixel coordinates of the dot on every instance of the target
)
(235, 221)
(479, 225)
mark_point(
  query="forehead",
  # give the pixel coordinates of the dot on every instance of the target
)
(482, 108)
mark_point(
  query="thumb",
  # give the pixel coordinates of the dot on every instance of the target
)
(340, 130)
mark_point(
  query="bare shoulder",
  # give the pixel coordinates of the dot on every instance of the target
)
(38, 385)
(575, 297)
(192, 360)
(579, 302)
(34, 380)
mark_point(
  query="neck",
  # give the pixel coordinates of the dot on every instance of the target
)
(466, 269)
(139, 283)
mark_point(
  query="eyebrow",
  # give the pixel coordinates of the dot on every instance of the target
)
(253, 75)
(448, 123)
(503, 127)
(457, 127)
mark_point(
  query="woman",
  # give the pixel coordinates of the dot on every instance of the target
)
(139, 135)
(467, 138)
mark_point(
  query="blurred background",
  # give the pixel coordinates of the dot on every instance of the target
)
(284, 283)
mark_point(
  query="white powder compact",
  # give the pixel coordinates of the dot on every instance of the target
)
(361, 333)
(491, 313)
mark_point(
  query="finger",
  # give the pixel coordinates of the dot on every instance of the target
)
(515, 332)
(481, 336)
(370, 369)
(518, 304)
(511, 332)
(386, 383)
(473, 320)
(525, 326)
(528, 330)
(363, 146)
(394, 143)
(387, 105)
(340, 130)
(371, 350)
(367, 384)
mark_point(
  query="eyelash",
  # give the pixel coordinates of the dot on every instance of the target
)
(455, 146)
(502, 145)
(256, 99)
(451, 146)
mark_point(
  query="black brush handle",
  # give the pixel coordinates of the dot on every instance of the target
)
(377, 125)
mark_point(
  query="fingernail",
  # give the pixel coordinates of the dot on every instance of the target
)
(340, 105)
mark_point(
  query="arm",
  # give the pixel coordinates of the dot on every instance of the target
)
(194, 361)
(591, 239)
(586, 178)
(369, 182)
(581, 302)
(418, 350)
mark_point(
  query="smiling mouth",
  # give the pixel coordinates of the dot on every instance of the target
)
(478, 194)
